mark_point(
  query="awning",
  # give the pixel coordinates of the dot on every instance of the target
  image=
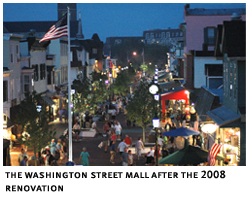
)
(48, 100)
(205, 102)
(163, 76)
(175, 94)
(169, 85)
(223, 115)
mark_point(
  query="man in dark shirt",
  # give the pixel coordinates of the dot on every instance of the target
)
(105, 138)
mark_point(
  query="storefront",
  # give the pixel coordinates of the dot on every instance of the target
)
(178, 100)
(230, 138)
(231, 134)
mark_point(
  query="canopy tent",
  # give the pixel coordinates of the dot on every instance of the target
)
(177, 94)
(189, 155)
(182, 131)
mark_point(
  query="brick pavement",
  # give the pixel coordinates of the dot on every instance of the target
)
(97, 156)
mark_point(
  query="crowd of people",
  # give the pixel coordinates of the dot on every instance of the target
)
(112, 140)
(51, 155)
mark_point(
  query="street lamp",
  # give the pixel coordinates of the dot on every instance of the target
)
(154, 90)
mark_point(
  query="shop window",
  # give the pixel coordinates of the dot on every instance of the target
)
(230, 138)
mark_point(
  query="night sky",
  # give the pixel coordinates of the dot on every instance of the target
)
(112, 19)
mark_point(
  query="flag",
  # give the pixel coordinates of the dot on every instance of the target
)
(57, 30)
(213, 153)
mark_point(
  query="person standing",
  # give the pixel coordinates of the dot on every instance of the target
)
(128, 140)
(113, 135)
(139, 146)
(118, 130)
(24, 161)
(52, 147)
(65, 152)
(105, 138)
(84, 157)
(130, 158)
(112, 152)
(21, 156)
(121, 146)
(76, 130)
(49, 158)
(106, 127)
(150, 156)
(124, 157)
(113, 114)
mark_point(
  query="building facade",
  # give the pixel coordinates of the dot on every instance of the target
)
(163, 36)
(200, 27)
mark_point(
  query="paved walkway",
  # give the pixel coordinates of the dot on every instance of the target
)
(97, 156)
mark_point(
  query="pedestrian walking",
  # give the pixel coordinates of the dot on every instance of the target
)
(106, 128)
(124, 157)
(84, 157)
(113, 135)
(113, 114)
(118, 130)
(112, 151)
(121, 146)
(139, 146)
(21, 156)
(105, 138)
(52, 147)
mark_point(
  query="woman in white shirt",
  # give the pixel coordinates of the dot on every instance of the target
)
(118, 129)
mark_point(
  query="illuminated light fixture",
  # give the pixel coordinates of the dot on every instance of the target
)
(110, 75)
(73, 91)
(156, 97)
(134, 53)
(39, 108)
(156, 122)
(153, 89)
(209, 128)
(71, 105)
(106, 82)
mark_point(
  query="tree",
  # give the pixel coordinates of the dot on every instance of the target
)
(122, 81)
(140, 107)
(35, 123)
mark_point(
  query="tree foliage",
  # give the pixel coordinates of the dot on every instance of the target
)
(122, 81)
(141, 107)
(35, 123)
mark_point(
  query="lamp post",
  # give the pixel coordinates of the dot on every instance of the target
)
(154, 90)
(156, 125)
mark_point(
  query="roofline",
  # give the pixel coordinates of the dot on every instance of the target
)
(6, 36)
